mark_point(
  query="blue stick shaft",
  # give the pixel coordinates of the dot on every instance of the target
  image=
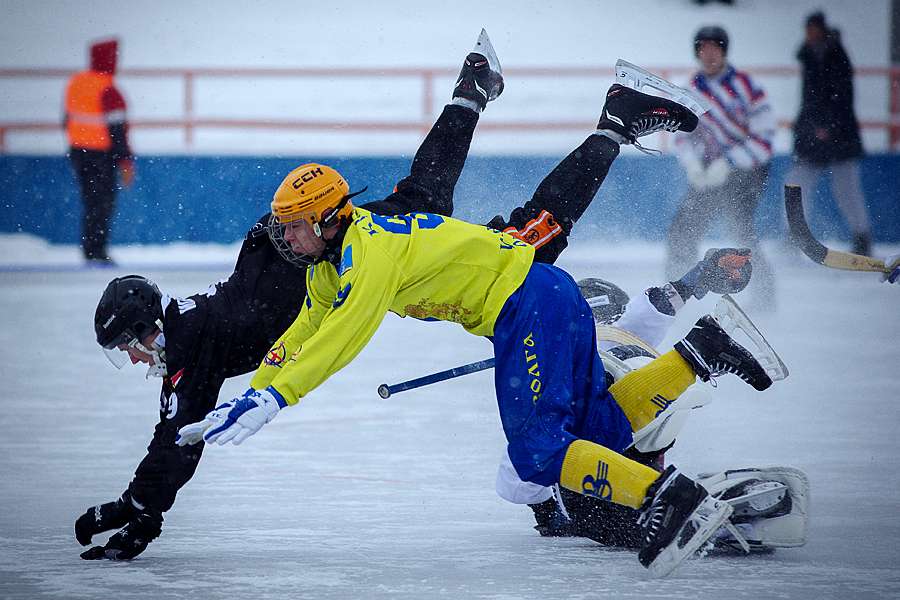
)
(385, 390)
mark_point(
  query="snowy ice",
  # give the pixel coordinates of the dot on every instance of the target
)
(347, 495)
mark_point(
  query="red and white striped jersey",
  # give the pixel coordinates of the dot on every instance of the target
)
(740, 124)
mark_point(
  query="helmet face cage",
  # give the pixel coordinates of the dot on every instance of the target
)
(606, 299)
(276, 234)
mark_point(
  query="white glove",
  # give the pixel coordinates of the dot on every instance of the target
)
(717, 173)
(893, 263)
(695, 172)
(236, 420)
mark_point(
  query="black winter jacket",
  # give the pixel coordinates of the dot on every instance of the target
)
(827, 104)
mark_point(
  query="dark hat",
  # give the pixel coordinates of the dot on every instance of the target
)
(817, 18)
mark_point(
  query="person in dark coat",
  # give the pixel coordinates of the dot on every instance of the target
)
(826, 132)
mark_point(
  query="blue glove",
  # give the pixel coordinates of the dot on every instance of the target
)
(236, 420)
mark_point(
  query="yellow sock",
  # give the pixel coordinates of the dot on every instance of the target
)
(644, 393)
(594, 470)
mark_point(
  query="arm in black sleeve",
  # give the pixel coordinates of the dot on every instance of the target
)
(118, 133)
(167, 467)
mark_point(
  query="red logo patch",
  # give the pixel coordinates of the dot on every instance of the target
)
(176, 377)
(275, 356)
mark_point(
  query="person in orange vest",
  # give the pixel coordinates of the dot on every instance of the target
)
(98, 145)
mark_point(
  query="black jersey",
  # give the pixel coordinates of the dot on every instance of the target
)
(220, 333)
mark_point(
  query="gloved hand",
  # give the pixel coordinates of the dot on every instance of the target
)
(126, 171)
(236, 420)
(103, 517)
(722, 271)
(717, 173)
(695, 172)
(139, 526)
(893, 263)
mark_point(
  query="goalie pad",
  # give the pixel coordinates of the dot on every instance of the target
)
(771, 507)
(661, 431)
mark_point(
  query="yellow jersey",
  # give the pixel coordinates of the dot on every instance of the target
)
(422, 265)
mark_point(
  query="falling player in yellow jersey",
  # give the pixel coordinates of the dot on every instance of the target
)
(563, 424)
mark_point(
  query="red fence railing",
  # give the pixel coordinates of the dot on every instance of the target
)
(189, 121)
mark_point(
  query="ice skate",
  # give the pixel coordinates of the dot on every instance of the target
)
(770, 507)
(736, 323)
(678, 516)
(481, 77)
(630, 113)
(711, 352)
(637, 78)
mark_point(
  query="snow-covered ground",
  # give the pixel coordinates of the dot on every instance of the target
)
(351, 496)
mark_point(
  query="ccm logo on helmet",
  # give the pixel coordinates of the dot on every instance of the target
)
(307, 177)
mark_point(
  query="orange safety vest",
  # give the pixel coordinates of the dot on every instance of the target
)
(86, 122)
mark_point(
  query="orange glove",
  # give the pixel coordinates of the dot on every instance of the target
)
(126, 171)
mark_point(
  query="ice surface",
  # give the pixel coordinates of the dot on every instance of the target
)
(351, 496)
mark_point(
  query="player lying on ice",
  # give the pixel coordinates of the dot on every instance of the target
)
(770, 504)
(564, 425)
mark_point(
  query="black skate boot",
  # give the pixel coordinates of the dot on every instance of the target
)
(481, 78)
(677, 517)
(711, 352)
(632, 114)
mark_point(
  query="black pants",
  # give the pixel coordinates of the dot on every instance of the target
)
(96, 174)
(734, 202)
(436, 167)
(565, 192)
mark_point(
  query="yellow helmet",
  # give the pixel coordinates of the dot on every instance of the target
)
(312, 192)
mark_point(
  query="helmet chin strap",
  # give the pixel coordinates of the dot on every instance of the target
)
(157, 352)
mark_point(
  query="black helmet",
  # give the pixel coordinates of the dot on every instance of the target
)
(711, 33)
(129, 310)
(607, 300)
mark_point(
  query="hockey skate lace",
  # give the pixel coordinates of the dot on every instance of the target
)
(651, 522)
(720, 368)
(647, 125)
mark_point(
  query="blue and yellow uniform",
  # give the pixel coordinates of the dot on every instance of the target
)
(562, 423)
(422, 265)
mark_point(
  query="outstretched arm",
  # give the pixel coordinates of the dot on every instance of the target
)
(138, 514)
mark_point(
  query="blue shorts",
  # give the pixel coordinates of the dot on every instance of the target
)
(550, 381)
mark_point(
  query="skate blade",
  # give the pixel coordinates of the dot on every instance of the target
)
(637, 78)
(759, 499)
(732, 318)
(738, 536)
(711, 515)
(484, 47)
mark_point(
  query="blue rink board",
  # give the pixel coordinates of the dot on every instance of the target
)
(216, 199)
